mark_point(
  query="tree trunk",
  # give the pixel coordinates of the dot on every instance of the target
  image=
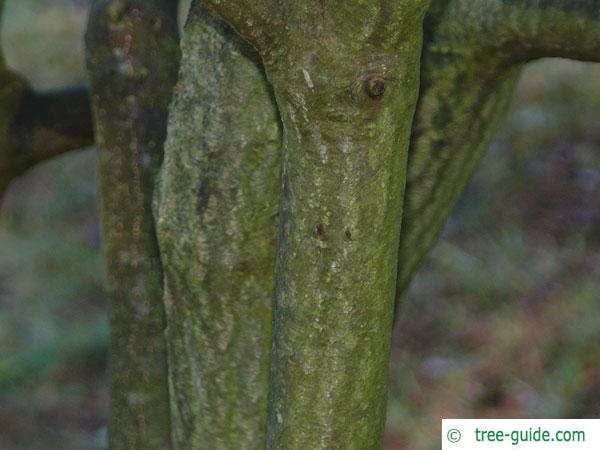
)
(340, 214)
(345, 83)
(132, 57)
(346, 103)
(217, 228)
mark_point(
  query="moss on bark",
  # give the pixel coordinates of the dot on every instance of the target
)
(346, 99)
(345, 81)
(132, 58)
(217, 227)
(473, 54)
(342, 98)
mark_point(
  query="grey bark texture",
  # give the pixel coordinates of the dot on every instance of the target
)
(346, 104)
(472, 56)
(217, 226)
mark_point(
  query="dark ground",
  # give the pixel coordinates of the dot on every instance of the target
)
(503, 321)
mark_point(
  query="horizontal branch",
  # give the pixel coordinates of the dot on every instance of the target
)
(518, 31)
(42, 125)
(51, 123)
(534, 29)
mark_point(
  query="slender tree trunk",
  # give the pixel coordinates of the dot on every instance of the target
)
(217, 228)
(346, 110)
(133, 58)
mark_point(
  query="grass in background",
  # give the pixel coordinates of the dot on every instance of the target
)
(503, 321)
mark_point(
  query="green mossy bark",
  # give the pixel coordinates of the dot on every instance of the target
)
(133, 59)
(35, 126)
(217, 227)
(346, 103)
(473, 54)
(346, 82)
(343, 99)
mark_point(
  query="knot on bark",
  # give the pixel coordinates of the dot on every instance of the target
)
(375, 86)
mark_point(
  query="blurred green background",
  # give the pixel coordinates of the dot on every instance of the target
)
(503, 320)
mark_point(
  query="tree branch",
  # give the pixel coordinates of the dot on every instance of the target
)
(41, 125)
(35, 126)
(50, 123)
(535, 29)
(473, 55)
